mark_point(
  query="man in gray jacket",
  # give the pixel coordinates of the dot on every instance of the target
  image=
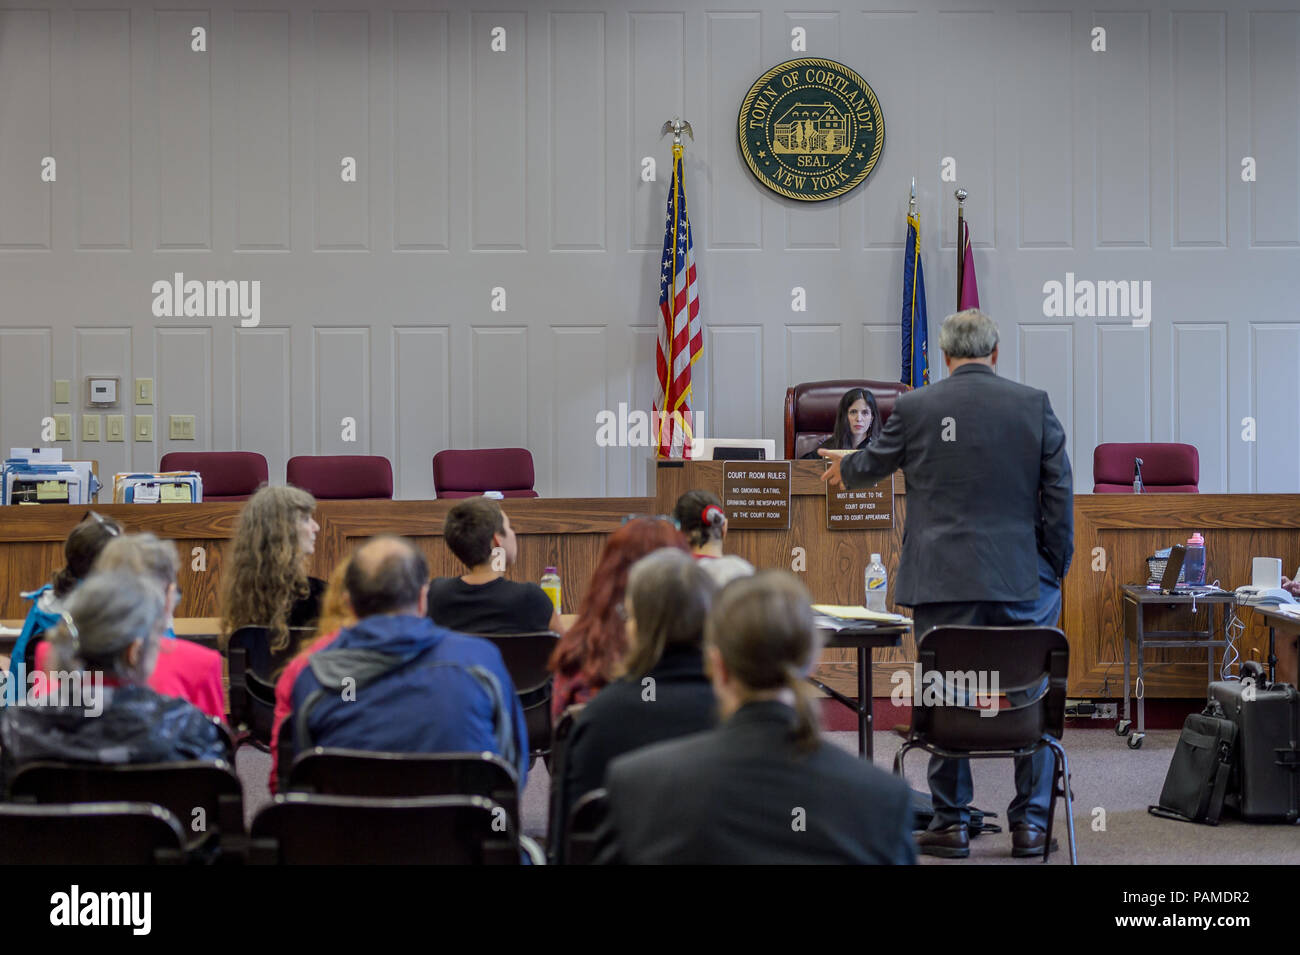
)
(988, 537)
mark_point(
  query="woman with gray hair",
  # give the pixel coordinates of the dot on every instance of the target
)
(663, 692)
(100, 710)
(183, 668)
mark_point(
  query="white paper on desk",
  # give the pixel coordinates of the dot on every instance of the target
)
(850, 612)
(1292, 609)
(145, 494)
(38, 455)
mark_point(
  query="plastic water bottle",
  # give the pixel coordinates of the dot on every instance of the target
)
(551, 584)
(877, 581)
(1194, 560)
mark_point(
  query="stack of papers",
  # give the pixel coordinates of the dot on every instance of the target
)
(835, 617)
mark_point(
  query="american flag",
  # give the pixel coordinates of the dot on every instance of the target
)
(681, 334)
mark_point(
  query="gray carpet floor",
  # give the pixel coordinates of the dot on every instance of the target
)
(1113, 786)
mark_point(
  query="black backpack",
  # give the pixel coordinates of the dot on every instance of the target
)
(1201, 768)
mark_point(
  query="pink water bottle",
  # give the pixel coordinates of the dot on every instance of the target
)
(1194, 560)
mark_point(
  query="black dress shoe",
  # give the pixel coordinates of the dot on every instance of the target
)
(1028, 840)
(950, 843)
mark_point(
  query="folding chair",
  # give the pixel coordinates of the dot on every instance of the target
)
(1028, 714)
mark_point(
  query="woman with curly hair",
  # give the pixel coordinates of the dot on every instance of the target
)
(266, 584)
(590, 651)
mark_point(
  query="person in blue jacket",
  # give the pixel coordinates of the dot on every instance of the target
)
(83, 545)
(397, 682)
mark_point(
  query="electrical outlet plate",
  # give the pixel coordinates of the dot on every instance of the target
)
(1106, 711)
(144, 391)
(180, 427)
(63, 427)
(115, 427)
(143, 427)
(62, 392)
(90, 427)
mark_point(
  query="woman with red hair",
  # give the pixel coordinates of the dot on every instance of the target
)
(591, 649)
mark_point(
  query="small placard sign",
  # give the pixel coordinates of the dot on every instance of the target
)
(866, 508)
(756, 494)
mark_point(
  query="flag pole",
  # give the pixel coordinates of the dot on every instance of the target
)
(961, 253)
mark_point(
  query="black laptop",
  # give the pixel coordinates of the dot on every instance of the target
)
(1173, 567)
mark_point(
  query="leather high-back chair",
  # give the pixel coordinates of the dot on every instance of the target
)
(227, 475)
(342, 477)
(1167, 468)
(810, 409)
(458, 473)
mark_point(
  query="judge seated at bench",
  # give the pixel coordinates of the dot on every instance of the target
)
(857, 423)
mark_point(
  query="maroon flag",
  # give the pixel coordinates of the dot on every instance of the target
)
(968, 293)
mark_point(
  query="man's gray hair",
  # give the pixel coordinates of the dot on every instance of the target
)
(968, 334)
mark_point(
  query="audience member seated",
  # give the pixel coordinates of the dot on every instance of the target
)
(266, 583)
(483, 601)
(763, 787)
(183, 669)
(109, 637)
(335, 614)
(662, 692)
(397, 682)
(587, 654)
(81, 548)
(700, 516)
(857, 423)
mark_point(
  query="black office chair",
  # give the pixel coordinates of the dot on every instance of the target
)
(253, 668)
(350, 772)
(305, 829)
(99, 833)
(204, 796)
(1032, 664)
(526, 656)
(557, 821)
(584, 822)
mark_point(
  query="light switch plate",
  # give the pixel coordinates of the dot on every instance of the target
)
(180, 427)
(63, 427)
(90, 427)
(62, 391)
(115, 425)
(144, 391)
(143, 427)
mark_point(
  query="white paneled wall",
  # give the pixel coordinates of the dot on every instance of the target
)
(490, 277)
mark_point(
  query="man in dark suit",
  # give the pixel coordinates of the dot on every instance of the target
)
(989, 534)
(763, 787)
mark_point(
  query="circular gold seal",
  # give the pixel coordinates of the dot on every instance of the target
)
(811, 129)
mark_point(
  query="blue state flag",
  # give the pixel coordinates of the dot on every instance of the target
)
(916, 351)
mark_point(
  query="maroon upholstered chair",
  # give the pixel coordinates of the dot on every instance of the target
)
(342, 477)
(810, 410)
(470, 473)
(227, 475)
(1167, 468)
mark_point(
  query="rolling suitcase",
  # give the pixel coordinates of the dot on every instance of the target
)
(1266, 787)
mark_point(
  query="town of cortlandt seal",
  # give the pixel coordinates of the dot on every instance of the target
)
(811, 129)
